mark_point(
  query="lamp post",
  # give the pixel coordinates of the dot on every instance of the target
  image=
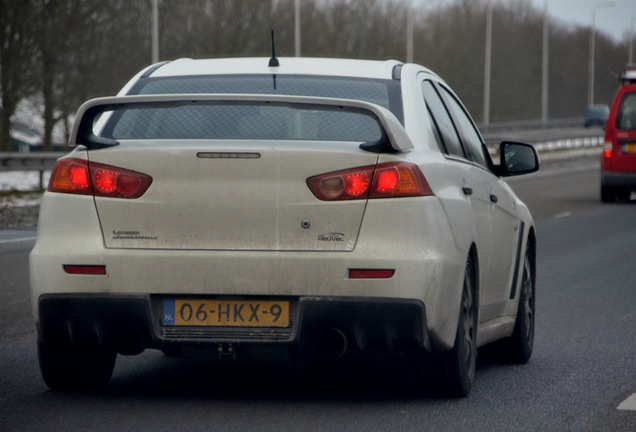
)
(631, 42)
(590, 96)
(409, 34)
(297, 27)
(155, 31)
(487, 59)
(411, 9)
(544, 73)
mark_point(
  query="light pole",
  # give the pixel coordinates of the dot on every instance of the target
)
(155, 31)
(409, 35)
(487, 64)
(297, 27)
(631, 42)
(410, 29)
(544, 74)
(590, 96)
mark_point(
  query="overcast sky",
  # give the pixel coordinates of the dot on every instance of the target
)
(615, 21)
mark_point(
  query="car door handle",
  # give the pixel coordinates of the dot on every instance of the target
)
(467, 190)
(493, 198)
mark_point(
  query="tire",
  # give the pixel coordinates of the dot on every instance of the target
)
(67, 367)
(457, 366)
(451, 374)
(521, 342)
(608, 194)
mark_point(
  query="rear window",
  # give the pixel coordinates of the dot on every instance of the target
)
(385, 93)
(626, 115)
(243, 121)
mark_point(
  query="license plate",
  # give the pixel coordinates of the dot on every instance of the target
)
(629, 148)
(234, 313)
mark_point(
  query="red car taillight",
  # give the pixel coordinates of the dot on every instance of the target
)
(386, 180)
(78, 176)
(607, 149)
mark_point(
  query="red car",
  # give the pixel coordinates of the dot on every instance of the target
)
(618, 161)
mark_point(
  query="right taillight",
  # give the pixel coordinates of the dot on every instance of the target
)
(386, 180)
(78, 176)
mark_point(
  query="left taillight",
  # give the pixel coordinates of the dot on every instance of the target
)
(78, 176)
(607, 149)
(386, 180)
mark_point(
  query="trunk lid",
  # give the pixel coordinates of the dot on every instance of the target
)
(229, 171)
(231, 196)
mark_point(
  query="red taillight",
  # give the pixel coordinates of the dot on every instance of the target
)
(607, 149)
(386, 180)
(77, 176)
(356, 183)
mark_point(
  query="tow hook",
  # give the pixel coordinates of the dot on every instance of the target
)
(227, 352)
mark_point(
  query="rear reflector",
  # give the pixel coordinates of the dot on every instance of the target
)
(385, 180)
(85, 269)
(370, 274)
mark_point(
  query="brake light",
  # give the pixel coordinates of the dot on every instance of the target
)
(386, 180)
(607, 149)
(78, 176)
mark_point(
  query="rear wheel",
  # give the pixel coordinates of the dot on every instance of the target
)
(74, 367)
(452, 373)
(457, 366)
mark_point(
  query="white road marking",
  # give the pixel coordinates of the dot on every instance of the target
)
(628, 404)
(562, 215)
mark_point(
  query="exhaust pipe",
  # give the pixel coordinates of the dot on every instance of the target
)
(129, 340)
(332, 343)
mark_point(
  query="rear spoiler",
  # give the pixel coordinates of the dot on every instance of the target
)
(83, 132)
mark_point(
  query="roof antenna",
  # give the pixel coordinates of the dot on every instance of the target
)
(273, 62)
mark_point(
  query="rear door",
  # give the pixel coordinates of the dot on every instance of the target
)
(496, 227)
(506, 230)
(622, 131)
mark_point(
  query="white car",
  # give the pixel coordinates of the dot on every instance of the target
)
(309, 209)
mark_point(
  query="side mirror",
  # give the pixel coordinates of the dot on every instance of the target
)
(517, 158)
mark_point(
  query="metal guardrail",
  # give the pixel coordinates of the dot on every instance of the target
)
(531, 124)
(37, 161)
(44, 161)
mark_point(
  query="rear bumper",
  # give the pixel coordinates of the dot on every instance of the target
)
(623, 179)
(132, 323)
(419, 246)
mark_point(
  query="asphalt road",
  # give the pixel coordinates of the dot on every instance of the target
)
(583, 367)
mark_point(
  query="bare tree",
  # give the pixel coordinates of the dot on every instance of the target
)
(17, 55)
(81, 45)
(70, 50)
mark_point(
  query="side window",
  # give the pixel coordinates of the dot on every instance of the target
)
(626, 117)
(473, 143)
(442, 119)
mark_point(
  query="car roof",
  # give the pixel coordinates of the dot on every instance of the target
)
(628, 77)
(287, 65)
